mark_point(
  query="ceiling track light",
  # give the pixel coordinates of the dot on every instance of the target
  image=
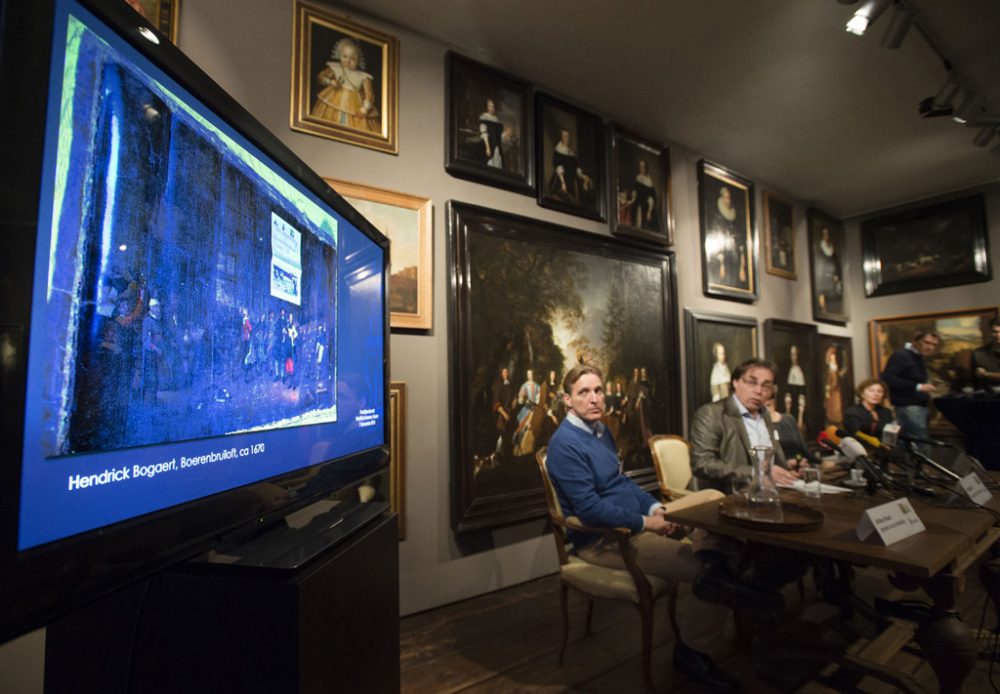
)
(984, 119)
(927, 109)
(949, 90)
(970, 108)
(865, 15)
(899, 24)
(984, 136)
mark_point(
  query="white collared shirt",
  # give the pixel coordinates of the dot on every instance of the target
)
(597, 428)
(755, 425)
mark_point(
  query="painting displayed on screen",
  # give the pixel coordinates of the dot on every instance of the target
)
(186, 304)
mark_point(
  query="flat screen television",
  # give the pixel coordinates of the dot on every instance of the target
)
(193, 325)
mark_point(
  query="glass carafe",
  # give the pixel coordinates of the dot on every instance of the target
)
(765, 502)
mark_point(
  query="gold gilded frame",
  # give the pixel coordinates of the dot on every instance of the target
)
(397, 453)
(422, 317)
(163, 14)
(314, 33)
(959, 329)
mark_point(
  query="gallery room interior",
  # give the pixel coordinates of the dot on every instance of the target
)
(819, 137)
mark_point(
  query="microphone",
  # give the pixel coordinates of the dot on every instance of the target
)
(890, 434)
(826, 442)
(855, 453)
(918, 439)
(864, 438)
(852, 449)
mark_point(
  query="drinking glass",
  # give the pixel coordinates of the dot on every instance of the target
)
(811, 480)
(741, 502)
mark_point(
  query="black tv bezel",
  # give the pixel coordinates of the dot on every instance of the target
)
(39, 584)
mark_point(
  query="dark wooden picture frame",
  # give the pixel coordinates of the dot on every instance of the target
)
(779, 236)
(728, 233)
(940, 245)
(357, 103)
(960, 330)
(639, 203)
(826, 268)
(835, 376)
(715, 344)
(487, 108)
(570, 156)
(530, 294)
(789, 345)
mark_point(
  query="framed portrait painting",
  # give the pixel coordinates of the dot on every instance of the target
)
(570, 158)
(792, 346)
(716, 343)
(826, 268)
(407, 221)
(779, 236)
(529, 300)
(640, 202)
(728, 236)
(961, 331)
(835, 373)
(940, 245)
(490, 123)
(344, 79)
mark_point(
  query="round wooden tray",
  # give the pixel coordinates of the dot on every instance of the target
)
(797, 518)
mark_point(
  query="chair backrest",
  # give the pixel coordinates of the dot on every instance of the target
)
(555, 508)
(672, 460)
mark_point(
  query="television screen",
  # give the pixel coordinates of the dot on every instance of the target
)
(194, 336)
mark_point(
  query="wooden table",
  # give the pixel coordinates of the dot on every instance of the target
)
(951, 534)
(936, 559)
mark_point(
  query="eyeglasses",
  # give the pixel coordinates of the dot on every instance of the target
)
(766, 386)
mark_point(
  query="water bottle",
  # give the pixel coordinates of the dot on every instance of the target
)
(765, 502)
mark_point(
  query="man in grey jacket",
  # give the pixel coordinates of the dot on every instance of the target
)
(724, 433)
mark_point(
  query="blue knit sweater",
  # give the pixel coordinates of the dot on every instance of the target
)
(590, 486)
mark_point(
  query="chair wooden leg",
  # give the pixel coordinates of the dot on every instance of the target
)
(647, 649)
(565, 620)
(590, 613)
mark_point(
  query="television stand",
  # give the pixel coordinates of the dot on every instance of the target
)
(282, 617)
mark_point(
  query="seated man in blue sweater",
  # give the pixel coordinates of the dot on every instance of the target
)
(583, 464)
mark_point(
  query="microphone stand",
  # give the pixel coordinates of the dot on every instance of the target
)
(921, 458)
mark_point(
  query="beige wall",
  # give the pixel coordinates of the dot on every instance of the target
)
(246, 46)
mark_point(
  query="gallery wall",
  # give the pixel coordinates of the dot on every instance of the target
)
(246, 46)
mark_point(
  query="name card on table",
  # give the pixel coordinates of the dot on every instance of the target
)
(893, 522)
(974, 488)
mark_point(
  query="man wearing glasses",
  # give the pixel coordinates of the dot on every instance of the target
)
(724, 433)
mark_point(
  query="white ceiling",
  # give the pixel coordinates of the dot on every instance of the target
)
(773, 89)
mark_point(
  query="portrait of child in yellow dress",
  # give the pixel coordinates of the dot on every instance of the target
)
(346, 95)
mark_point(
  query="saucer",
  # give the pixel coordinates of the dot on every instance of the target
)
(854, 484)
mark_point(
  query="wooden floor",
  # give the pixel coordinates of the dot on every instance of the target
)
(508, 641)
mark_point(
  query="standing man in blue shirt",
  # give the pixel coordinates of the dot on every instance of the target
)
(583, 464)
